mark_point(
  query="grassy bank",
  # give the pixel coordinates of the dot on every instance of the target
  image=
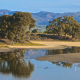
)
(4, 45)
(1, 46)
(28, 44)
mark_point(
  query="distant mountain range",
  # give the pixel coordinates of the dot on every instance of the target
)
(30, 54)
(6, 12)
(43, 18)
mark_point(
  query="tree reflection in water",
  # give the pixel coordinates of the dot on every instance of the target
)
(13, 62)
(63, 51)
(63, 64)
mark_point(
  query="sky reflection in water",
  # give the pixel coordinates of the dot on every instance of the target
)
(21, 65)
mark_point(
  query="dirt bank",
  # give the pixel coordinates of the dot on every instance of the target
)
(72, 57)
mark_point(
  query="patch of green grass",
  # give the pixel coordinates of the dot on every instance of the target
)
(3, 46)
(20, 44)
(28, 44)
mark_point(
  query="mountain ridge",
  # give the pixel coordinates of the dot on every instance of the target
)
(42, 17)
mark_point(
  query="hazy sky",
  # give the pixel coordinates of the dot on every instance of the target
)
(57, 6)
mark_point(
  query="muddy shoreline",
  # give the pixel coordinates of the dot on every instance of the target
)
(71, 57)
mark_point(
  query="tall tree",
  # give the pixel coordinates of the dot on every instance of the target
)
(64, 25)
(16, 25)
(4, 23)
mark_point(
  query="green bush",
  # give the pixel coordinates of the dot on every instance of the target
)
(35, 31)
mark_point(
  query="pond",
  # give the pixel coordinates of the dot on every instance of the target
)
(20, 64)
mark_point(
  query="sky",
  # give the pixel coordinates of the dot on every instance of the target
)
(56, 6)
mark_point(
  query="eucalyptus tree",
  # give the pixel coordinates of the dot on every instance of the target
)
(64, 25)
(4, 23)
(56, 25)
(15, 26)
(20, 22)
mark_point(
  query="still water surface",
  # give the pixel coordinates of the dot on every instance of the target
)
(21, 65)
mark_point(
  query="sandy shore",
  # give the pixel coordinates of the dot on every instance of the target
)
(73, 57)
(57, 45)
(48, 45)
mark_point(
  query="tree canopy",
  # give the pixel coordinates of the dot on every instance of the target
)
(64, 25)
(35, 31)
(15, 26)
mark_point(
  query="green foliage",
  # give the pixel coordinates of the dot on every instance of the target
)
(11, 35)
(3, 46)
(15, 26)
(28, 32)
(35, 31)
(64, 25)
(45, 32)
(4, 23)
(19, 44)
(41, 28)
(28, 44)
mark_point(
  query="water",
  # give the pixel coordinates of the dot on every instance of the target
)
(21, 65)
